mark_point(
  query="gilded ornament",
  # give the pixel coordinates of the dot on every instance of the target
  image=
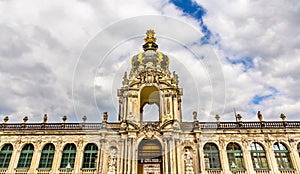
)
(140, 58)
(160, 58)
(150, 36)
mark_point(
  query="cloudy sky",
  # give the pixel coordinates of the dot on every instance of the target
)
(68, 57)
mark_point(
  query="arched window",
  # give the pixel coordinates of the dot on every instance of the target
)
(149, 104)
(47, 156)
(211, 156)
(282, 156)
(68, 156)
(235, 156)
(150, 112)
(5, 155)
(90, 156)
(26, 156)
(258, 156)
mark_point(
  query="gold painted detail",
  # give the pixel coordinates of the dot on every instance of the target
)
(150, 36)
(140, 58)
(160, 58)
(132, 61)
(168, 60)
(149, 65)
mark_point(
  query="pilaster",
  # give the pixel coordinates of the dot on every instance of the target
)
(201, 162)
(101, 156)
(271, 155)
(57, 157)
(14, 157)
(166, 161)
(247, 157)
(223, 156)
(294, 156)
(36, 156)
(79, 157)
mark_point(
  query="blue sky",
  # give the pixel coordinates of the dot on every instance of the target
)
(258, 51)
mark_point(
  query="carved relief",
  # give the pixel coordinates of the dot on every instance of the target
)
(112, 167)
(131, 117)
(188, 161)
(150, 129)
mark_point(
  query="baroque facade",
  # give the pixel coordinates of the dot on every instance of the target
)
(165, 146)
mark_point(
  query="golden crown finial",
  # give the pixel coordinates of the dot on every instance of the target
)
(150, 36)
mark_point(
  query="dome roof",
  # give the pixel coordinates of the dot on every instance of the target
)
(150, 58)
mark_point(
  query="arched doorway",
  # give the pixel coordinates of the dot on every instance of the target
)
(150, 157)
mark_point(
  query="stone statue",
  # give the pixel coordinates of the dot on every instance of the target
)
(175, 78)
(188, 159)
(260, 116)
(125, 79)
(45, 118)
(112, 162)
(195, 115)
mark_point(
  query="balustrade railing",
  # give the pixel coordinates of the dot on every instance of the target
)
(21, 171)
(43, 171)
(263, 171)
(187, 126)
(291, 171)
(65, 171)
(239, 172)
(88, 171)
(3, 171)
(214, 172)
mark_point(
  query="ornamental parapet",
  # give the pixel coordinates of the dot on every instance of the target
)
(185, 126)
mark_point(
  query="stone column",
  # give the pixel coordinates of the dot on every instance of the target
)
(14, 157)
(223, 157)
(104, 163)
(166, 168)
(175, 104)
(247, 157)
(129, 156)
(101, 156)
(172, 107)
(271, 157)
(126, 107)
(134, 159)
(121, 169)
(57, 157)
(170, 156)
(295, 156)
(164, 106)
(200, 153)
(129, 108)
(35, 158)
(126, 156)
(174, 160)
(178, 156)
(79, 157)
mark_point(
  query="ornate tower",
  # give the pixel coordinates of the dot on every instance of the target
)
(150, 82)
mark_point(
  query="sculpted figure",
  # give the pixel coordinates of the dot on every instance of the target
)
(112, 161)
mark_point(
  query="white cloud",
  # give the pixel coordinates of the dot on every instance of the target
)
(266, 31)
(42, 40)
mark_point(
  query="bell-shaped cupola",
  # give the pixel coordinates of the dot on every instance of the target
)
(150, 82)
